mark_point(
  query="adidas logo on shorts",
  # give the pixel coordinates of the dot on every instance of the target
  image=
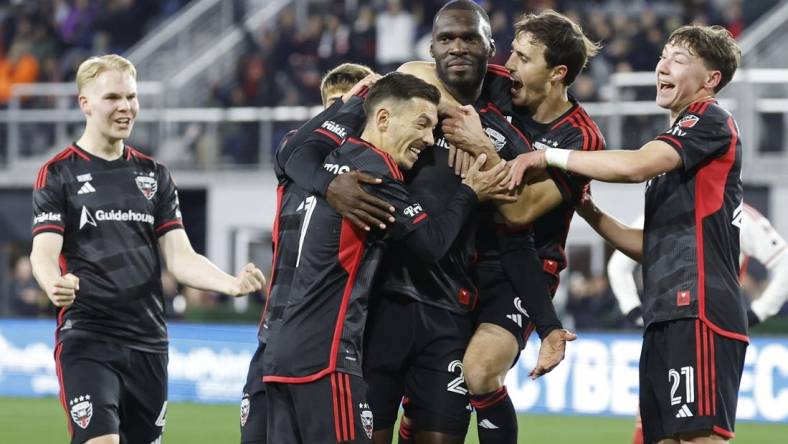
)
(684, 412)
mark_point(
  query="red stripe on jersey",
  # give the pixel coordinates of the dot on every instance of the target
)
(713, 366)
(131, 151)
(583, 131)
(61, 262)
(167, 225)
(698, 367)
(330, 135)
(48, 227)
(420, 218)
(498, 69)
(335, 399)
(722, 432)
(59, 372)
(693, 107)
(597, 140)
(280, 192)
(709, 196)
(528, 330)
(351, 417)
(704, 107)
(565, 119)
(393, 168)
(41, 179)
(675, 141)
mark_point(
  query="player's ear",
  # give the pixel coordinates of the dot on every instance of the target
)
(84, 105)
(492, 48)
(382, 119)
(559, 73)
(712, 79)
(432, 53)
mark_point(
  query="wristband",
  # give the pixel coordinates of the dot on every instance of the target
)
(557, 157)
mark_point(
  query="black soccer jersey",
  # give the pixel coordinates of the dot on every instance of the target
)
(691, 232)
(573, 130)
(111, 214)
(323, 321)
(449, 283)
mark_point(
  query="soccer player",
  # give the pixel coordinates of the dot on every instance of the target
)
(336, 83)
(548, 52)
(758, 240)
(101, 208)
(313, 358)
(696, 327)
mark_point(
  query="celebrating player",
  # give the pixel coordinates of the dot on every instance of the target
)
(336, 83)
(758, 239)
(101, 208)
(696, 328)
(314, 384)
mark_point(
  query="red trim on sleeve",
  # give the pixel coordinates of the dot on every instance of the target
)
(722, 432)
(330, 135)
(48, 227)
(709, 197)
(167, 225)
(673, 141)
(420, 218)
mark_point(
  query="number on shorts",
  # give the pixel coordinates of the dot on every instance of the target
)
(456, 385)
(689, 384)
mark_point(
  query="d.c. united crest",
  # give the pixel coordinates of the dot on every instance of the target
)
(147, 185)
(81, 410)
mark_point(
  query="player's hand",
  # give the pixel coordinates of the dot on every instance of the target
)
(248, 280)
(552, 351)
(459, 160)
(488, 185)
(366, 82)
(346, 196)
(462, 128)
(63, 290)
(534, 160)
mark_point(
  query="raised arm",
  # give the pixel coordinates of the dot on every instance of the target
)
(628, 240)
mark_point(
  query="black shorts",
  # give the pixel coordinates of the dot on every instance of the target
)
(499, 303)
(332, 409)
(689, 379)
(415, 350)
(108, 388)
(253, 403)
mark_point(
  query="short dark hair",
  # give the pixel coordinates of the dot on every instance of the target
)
(342, 78)
(563, 39)
(399, 86)
(714, 44)
(467, 5)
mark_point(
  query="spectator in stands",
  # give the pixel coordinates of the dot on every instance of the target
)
(396, 35)
(20, 66)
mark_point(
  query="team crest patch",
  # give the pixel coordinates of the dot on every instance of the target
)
(147, 185)
(688, 121)
(497, 139)
(366, 418)
(81, 410)
(244, 409)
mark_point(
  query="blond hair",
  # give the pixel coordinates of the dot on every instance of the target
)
(342, 78)
(94, 66)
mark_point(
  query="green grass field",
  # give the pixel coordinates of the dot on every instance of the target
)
(42, 421)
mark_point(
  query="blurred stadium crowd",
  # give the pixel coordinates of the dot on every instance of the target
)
(45, 40)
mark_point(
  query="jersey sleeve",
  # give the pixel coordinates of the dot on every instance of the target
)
(759, 239)
(408, 213)
(167, 215)
(698, 138)
(49, 204)
(301, 158)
